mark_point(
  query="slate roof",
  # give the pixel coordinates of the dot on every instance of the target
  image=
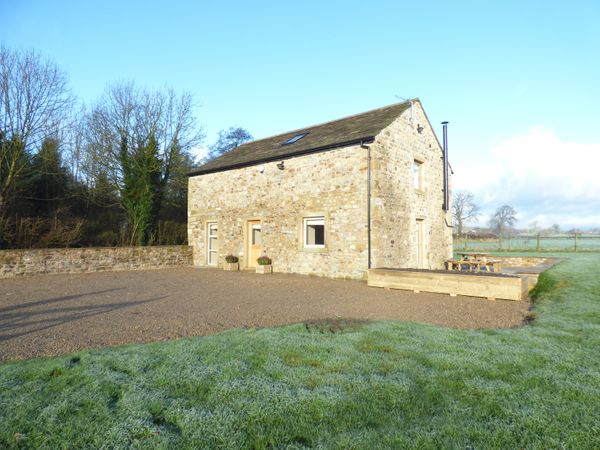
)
(344, 132)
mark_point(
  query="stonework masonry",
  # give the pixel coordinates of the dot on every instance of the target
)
(398, 206)
(332, 184)
(15, 263)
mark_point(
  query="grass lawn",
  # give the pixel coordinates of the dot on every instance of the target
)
(382, 384)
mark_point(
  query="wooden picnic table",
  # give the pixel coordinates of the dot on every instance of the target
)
(469, 256)
(474, 262)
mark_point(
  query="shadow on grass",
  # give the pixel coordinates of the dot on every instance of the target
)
(546, 283)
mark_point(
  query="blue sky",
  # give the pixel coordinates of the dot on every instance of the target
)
(512, 77)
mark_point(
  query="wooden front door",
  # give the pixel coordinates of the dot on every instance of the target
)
(254, 242)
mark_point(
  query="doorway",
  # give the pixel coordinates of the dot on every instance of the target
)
(212, 249)
(254, 242)
(420, 245)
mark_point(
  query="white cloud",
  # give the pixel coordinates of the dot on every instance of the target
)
(199, 152)
(544, 178)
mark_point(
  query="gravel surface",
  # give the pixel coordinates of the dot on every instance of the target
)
(50, 315)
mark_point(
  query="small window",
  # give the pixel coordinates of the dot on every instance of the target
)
(314, 232)
(417, 175)
(295, 138)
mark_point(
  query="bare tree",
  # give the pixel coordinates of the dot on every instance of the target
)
(134, 139)
(464, 210)
(228, 140)
(534, 226)
(74, 142)
(34, 101)
(503, 220)
(554, 229)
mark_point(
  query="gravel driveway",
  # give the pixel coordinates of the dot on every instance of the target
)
(55, 314)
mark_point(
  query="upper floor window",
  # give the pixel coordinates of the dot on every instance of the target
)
(417, 170)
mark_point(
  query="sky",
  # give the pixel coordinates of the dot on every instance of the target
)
(519, 81)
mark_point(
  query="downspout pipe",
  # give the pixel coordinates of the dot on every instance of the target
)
(368, 149)
(446, 205)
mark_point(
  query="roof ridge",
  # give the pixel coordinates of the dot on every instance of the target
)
(349, 130)
(416, 99)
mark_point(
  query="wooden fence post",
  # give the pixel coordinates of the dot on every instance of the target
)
(537, 246)
(575, 242)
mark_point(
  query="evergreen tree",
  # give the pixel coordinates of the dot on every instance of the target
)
(141, 192)
(49, 181)
(14, 161)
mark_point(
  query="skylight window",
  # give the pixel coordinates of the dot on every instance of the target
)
(295, 138)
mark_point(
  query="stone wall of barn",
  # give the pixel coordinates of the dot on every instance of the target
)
(397, 205)
(331, 184)
(14, 263)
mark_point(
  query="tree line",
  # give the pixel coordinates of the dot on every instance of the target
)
(110, 173)
(465, 211)
(501, 224)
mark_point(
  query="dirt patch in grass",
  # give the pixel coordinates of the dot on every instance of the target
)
(336, 325)
(529, 318)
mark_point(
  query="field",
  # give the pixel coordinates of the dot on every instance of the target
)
(347, 384)
(546, 243)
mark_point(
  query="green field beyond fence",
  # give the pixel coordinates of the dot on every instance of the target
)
(534, 242)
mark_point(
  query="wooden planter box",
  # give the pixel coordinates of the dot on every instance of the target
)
(233, 267)
(264, 269)
(476, 285)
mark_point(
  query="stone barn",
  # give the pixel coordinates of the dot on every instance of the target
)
(333, 199)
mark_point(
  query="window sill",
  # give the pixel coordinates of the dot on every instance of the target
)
(315, 249)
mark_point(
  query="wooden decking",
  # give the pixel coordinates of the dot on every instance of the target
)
(532, 273)
(487, 285)
(519, 275)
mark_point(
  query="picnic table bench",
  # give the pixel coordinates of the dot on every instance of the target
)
(474, 262)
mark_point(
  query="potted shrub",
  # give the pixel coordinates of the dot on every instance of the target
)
(265, 265)
(232, 263)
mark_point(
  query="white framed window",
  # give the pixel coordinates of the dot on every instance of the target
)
(417, 170)
(212, 248)
(314, 232)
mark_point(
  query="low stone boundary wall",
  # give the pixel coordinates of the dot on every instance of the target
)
(14, 263)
